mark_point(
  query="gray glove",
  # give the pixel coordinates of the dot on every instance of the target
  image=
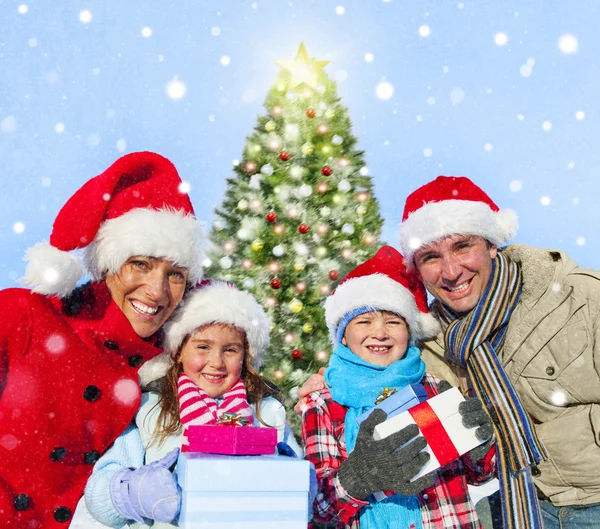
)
(379, 465)
(473, 414)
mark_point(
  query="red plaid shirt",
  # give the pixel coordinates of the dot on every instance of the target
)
(446, 505)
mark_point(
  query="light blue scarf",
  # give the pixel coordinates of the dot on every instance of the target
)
(356, 384)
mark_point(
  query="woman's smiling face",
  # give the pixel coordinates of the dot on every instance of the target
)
(147, 290)
(378, 337)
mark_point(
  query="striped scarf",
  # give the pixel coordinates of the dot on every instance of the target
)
(196, 407)
(472, 342)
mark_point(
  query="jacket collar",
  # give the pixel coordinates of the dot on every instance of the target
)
(540, 268)
(99, 321)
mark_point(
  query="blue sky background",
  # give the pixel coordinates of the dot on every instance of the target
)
(82, 82)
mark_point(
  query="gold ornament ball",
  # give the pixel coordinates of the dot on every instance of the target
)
(308, 148)
(339, 199)
(257, 245)
(270, 126)
(242, 205)
(307, 328)
(361, 210)
(329, 114)
(299, 266)
(321, 251)
(296, 306)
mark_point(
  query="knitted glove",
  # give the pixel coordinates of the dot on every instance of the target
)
(473, 414)
(150, 491)
(381, 465)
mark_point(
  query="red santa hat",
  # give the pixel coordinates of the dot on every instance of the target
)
(452, 205)
(220, 302)
(136, 207)
(381, 283)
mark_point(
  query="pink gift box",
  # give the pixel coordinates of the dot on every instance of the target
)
(230, 440)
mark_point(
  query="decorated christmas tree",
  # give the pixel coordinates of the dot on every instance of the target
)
(298, 214)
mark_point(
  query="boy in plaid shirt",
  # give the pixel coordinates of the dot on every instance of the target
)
(375, 315)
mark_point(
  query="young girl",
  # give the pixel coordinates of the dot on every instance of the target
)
(217, 340)
(375, 316)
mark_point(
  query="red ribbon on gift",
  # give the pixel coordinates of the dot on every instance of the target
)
(437, 438)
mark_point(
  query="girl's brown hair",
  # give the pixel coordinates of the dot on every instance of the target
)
(168, 423)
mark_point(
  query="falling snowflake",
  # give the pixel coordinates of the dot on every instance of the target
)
(384, 91)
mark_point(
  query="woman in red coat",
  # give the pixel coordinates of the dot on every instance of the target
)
(69, 359)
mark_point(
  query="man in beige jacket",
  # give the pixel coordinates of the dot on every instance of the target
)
(522, 326)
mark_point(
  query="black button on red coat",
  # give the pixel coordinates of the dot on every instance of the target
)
(91, 393)
(58, 453)
(62, 514)
(109, 344)
(91, 457)
(136, 360)
(21, 502)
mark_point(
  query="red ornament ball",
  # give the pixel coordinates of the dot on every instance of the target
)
(284, 156)
(311, 112)
(334, 275)
(296, 354)
(326, 170)
(303, 228)
(276, 283)
(271, 216)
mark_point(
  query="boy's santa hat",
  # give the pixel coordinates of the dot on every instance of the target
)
(138, 206)
(220, 302)
(381, 283)
(451, 205)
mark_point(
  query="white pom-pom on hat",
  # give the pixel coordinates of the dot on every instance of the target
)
(50, 270)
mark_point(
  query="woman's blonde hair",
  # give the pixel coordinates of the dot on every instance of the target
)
(169, 423)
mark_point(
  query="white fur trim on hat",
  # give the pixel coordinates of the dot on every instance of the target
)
(154, 369)
(436, 220)
(50, 270)
(165, 233)
(382, 293)
(220, 303)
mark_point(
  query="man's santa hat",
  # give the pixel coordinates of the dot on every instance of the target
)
(381, 283)
(451, 205)
(138, 206)
(220, 302)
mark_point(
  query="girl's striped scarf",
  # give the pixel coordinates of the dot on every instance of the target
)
(473, 342)
(196, 407)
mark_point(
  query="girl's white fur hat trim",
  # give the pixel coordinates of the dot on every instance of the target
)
(220, 302)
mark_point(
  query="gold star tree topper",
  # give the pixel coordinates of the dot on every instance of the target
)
(303, 70)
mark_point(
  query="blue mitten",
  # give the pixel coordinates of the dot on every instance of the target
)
(150, 491)
(284, 449)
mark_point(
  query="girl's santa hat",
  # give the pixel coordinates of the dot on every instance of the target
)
(138, 206)
(220, 302)
(381, 283)
(451, 205)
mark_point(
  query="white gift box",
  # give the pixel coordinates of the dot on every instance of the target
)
(441, 424)
(243, 492)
